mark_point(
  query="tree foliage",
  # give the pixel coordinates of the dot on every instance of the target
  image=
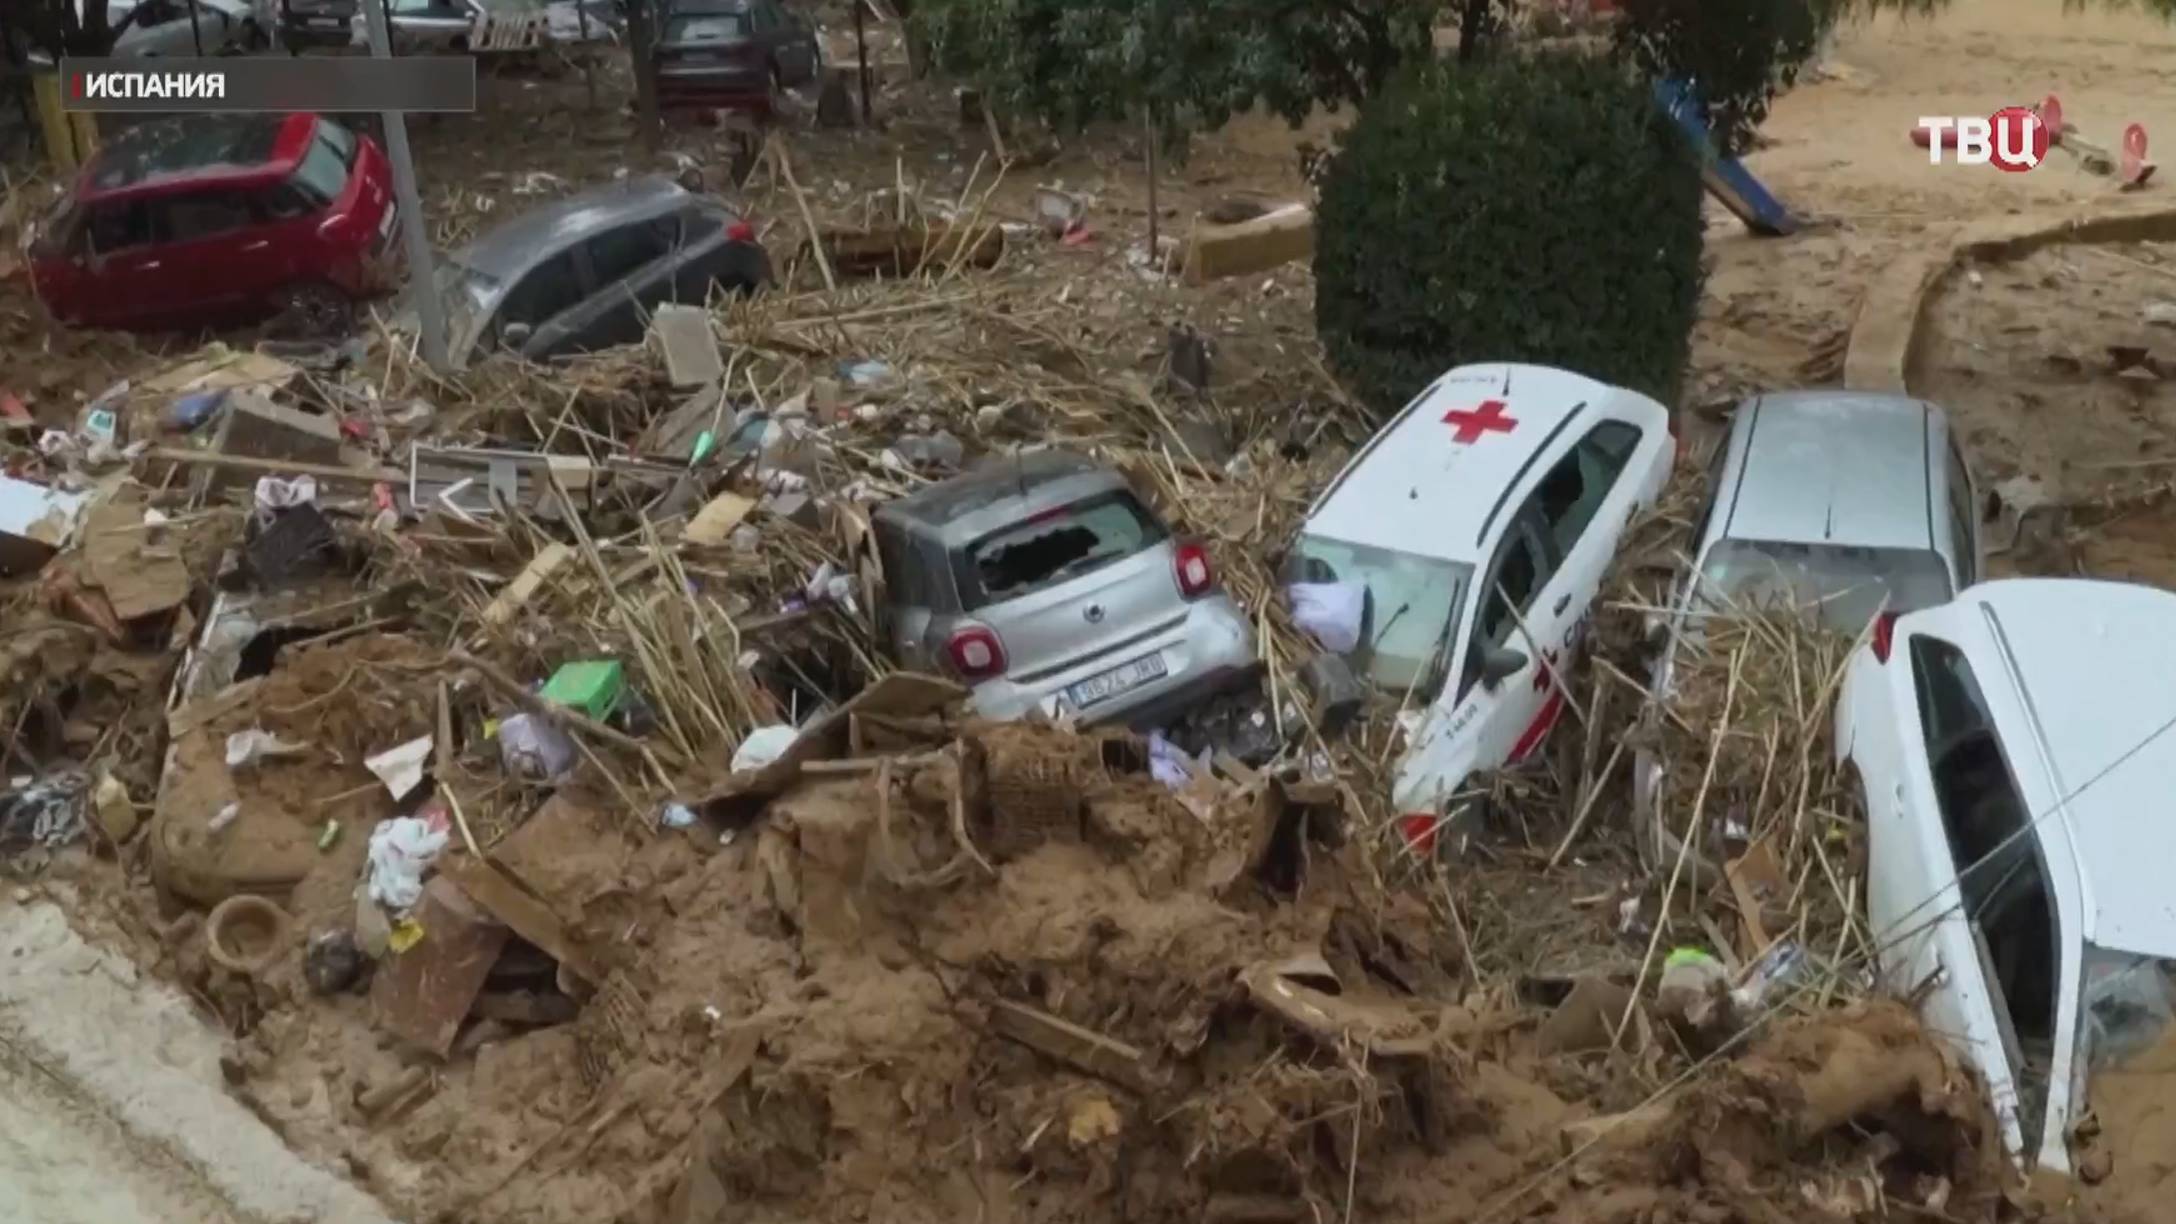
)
(1526, 208)
(1189, 64)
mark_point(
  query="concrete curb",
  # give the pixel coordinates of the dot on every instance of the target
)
(1886, 335)
(134, 1050)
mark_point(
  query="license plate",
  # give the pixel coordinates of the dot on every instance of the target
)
(328, 23)
(1123, 678)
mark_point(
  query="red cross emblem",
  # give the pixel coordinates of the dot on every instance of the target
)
(1474, 422)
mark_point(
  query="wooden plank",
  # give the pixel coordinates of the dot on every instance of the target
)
(496, 892)
(1069, 1043)
(714, 523)
(1267, 241)
(276, 467)
(525, 584)
(425, 993)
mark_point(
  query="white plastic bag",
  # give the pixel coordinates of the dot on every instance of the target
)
(1330, 612)
(1168, 764)
(535, 748)
(400, 851)
(764, 745)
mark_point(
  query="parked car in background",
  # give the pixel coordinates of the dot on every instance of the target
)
(305, 24)
(207, 219)
(1043, 581)
(450, 27)
(163, 27)
(1466, 544)
(1839, 503)
(2016, 777)
(733, 53)
(585, 272)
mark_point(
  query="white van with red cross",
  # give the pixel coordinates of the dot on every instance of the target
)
(1455, 561)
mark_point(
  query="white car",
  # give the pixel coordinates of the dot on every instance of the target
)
(162, 28)
(2017, 778)
(1839, 502)
(1472, 535)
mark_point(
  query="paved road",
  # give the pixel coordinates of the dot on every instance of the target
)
(64, 1162)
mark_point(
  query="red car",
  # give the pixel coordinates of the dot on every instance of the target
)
(179, 223)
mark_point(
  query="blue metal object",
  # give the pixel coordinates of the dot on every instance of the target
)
(1726, 178)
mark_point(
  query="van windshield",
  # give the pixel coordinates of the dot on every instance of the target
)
(1843, 587)
(1411, 605)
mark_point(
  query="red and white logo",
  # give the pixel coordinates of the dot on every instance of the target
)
(2014, 139)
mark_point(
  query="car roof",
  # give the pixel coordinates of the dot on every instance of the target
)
(1417, 489)
(515, 245)
(1000, 491)
(2111, 742)
(190, 150)
(1833, 467)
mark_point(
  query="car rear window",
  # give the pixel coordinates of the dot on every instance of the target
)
(323, 174)
(1844, 586)
(706, 27)
(1056, 546)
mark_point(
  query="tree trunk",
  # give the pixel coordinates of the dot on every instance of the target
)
(639, 33)
(1472, 28)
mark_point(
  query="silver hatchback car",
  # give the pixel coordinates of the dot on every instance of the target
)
(1842, 502)
(1043, 582)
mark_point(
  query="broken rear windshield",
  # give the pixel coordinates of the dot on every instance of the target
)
(1056, 546)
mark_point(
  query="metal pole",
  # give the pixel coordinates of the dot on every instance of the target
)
(422, 280)
(861, 46)
(196, 32)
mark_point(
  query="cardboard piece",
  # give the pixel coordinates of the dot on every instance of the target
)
(1268, 241)
(140, 578)
(423, 994)
(689, 346)
(1756, 880)
(497, 893)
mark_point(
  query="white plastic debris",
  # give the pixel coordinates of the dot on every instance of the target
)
(400, 851)
(1330, 612)
(274, 493)
(1168, 764)
(763, 745)
(222, 818)
(401, 767)
(677, 816)
(535, 748)
(251, 746)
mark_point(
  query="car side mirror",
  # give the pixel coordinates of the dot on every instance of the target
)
(1500, 663)
(516, 334)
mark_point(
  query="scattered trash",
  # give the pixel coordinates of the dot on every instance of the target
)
(293, 543)
(762, 746)
(35, 522)
(274, 493)
(246, 748)
(531, 747)
(690, 348)
(43, 814)
(400, 851)
(1779, 968)
(245, 934)
(116, 812)
(866, 374)
(401, 768)
(333, 962)
(221, 819)
(1170, 765)
(425, 991)
(677, 816)
(595, 687)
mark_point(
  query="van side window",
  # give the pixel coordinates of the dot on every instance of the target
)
(618, 253)
(1962, 517)
(548, 289)
(1519, 572)
(1574, 489)
(1997, 859)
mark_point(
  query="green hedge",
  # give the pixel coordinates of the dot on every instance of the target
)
(1531, 208)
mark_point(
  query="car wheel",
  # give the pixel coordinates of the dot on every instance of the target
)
(313, 310)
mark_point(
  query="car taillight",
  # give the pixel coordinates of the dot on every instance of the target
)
(740, 231)
(1196, 576)
(1884, 635)
(976, 653)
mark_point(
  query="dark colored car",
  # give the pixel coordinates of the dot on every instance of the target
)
(317, 23)
(215, 218)
(585, 272)
(736, 54)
